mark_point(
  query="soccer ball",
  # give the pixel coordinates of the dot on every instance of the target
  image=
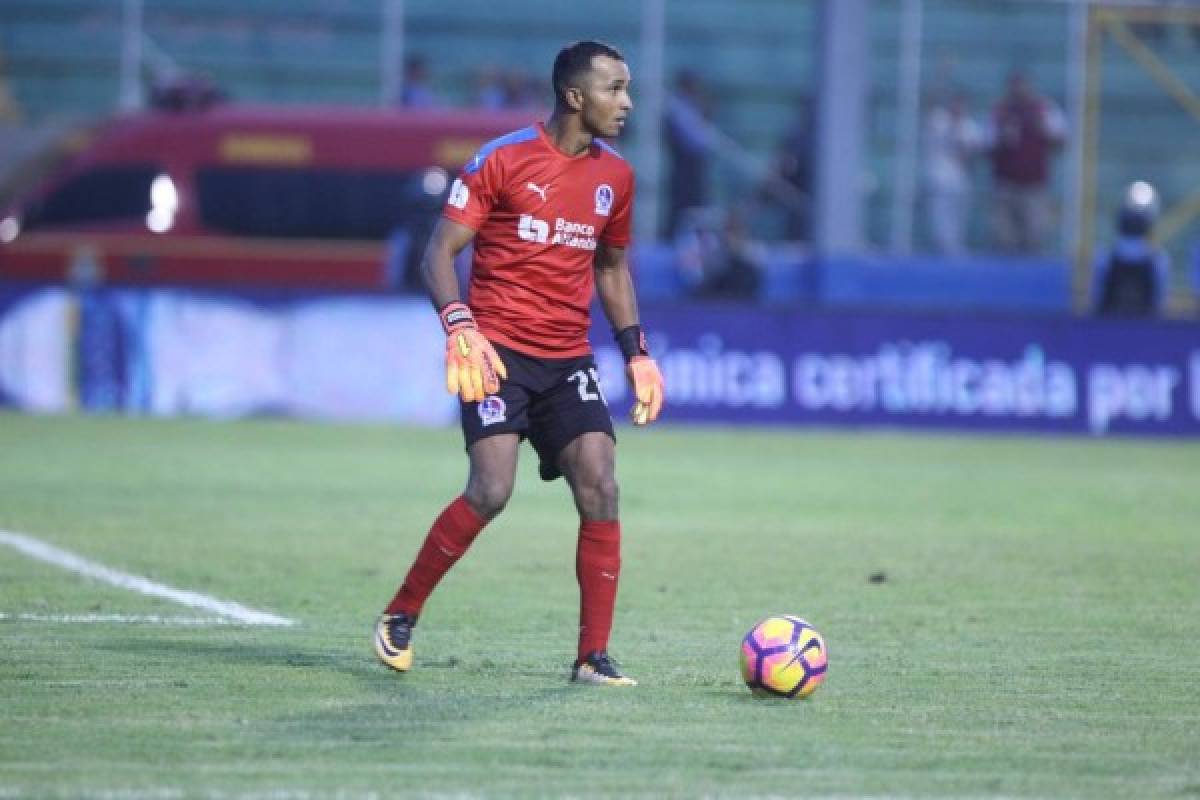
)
(783, 656)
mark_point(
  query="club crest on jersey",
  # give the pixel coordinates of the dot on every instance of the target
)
(604, 199)
(492, 410)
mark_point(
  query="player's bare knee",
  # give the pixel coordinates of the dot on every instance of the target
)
(598, 498)
(610, 492)
(488, 496)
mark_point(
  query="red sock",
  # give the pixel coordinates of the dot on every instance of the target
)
(597, 566)
(451, 535)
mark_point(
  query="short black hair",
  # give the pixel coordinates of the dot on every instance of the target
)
(575, 59)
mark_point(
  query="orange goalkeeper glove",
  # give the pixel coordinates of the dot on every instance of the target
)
(647, 381)
(473, 370)
(648, 387)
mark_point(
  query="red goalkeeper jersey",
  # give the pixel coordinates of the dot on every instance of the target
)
(538, 215)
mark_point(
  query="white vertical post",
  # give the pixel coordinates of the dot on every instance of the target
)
(131, 97)
(391, 53)
(841, 118)
(648, 109)
(908, 121)
(1076, 83)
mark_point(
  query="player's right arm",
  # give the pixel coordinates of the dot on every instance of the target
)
(473, 370)
(437, 265)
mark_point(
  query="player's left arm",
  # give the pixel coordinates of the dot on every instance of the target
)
(614, 285)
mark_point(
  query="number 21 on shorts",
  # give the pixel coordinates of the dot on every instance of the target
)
(588, 383)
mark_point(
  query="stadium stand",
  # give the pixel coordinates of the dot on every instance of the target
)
(63, 60)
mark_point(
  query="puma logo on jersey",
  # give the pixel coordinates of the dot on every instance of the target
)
(541, 191)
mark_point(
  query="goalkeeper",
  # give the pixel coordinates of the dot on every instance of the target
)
(548, 210)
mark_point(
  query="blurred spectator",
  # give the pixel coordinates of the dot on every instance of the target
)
(522, 90)
(688, 146)
(1026, 130)
(952, 139)
(9, 111)
(416, 91)
(514, 88)
(793, 168)
(489, 89)
(183, 91)
(716, 256)
(1130, 279)
(10, 114)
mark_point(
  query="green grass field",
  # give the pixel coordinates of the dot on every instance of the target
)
(1036, 635)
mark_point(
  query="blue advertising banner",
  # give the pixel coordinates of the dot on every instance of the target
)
(168, 352)
(38, 337)
(734, 364)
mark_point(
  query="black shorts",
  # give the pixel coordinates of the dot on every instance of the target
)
(549, 401)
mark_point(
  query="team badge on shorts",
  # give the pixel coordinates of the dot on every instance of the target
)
(491, 410)
(604, 199)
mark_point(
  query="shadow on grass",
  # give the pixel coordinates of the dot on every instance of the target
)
(242, 652)
(304, 699)
(438, 693)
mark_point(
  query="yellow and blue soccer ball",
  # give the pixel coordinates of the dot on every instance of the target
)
(783, 656)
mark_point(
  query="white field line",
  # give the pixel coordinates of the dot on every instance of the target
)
(171, 793)
(35, 548)
(118, 619)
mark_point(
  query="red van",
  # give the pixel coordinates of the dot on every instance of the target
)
(316, 198)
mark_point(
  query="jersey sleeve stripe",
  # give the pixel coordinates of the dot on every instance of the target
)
(516, 137)
(606, 146)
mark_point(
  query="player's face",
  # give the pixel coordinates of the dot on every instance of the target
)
(606, 101)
